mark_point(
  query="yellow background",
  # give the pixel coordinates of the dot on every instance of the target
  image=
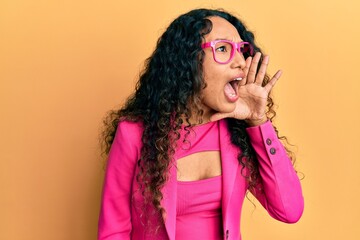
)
(64, 63)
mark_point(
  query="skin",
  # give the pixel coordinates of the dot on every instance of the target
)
(251, 96)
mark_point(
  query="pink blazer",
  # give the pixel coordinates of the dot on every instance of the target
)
(120, 216)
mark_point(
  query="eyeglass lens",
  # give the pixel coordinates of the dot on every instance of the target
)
(224, 51)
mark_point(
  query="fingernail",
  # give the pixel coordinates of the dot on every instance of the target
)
(266, 59)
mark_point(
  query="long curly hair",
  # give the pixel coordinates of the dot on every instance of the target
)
(167, 95)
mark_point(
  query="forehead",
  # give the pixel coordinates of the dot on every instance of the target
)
(222, 29)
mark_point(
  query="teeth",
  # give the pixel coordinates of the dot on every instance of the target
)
(238, 79)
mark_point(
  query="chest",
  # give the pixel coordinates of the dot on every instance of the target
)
(198, 153)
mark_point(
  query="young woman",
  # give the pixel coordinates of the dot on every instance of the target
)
(195, 137)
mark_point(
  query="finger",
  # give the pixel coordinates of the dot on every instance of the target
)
(246, 70)
(218, 116)
(253, 68)
(262, 70)
(273, 80)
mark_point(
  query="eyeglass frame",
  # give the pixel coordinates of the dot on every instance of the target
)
(235, 45)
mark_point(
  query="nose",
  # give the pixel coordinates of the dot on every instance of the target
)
(238, 60)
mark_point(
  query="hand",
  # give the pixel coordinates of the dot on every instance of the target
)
(251, 105)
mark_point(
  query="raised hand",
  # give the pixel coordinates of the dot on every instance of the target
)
(251, 104)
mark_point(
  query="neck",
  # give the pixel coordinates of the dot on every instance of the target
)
(200, 119)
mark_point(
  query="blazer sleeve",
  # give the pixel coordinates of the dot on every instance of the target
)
(282, 194)
(115, 211)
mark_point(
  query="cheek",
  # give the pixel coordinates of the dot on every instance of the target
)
(211, 77)
(212, 88)
(212, 94)
(214, 78)
(209, 68)
(213, 81)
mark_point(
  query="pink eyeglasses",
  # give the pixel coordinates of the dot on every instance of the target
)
(224, 50)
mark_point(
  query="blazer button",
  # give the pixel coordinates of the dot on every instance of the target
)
(268, 141)
(227, 234)
(272, 151)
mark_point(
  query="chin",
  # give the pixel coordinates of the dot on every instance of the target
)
(228, 108)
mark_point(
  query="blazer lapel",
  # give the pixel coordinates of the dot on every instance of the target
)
(229, 164)
(169, 202)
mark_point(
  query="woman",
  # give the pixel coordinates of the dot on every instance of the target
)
(195, 136)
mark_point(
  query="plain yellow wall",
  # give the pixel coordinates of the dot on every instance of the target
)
(64, 63)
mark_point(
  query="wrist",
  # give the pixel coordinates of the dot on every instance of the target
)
(256, 122)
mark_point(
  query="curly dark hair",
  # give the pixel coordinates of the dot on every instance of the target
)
(168, 94)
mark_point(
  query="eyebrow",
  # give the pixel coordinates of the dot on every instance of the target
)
(222, 39)
(227, 39)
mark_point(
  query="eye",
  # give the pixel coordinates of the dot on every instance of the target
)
(222, 48)
(245, 48)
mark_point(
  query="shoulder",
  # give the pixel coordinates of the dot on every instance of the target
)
(130, 129)
(129, 135)
(135, 129)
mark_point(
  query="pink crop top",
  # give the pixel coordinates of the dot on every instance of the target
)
(199, 209)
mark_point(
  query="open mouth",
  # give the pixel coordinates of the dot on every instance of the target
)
(231, 89)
